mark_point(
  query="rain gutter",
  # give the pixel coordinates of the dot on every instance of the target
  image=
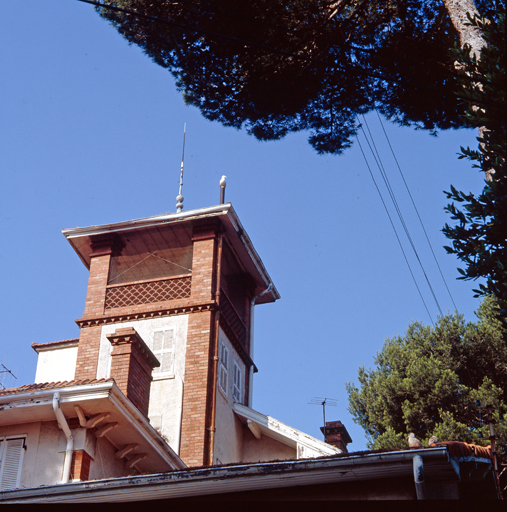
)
(236, 478)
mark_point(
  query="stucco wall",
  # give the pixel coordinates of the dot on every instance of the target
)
(265, 448)
(57, 364)
(49, 463)
(229, 433)
(166, 394)
(105, 464)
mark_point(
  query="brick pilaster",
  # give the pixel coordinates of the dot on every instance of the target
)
(80, 466)
(88, 353)
(131, 365)
(89, 339)
(102, 249)
(204, 242)
(197, 389)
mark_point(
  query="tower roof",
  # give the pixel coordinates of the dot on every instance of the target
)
(184, 222)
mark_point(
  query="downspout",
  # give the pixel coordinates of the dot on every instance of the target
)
(252, 306)
(62, 423)
(212, 428)
(420, 485)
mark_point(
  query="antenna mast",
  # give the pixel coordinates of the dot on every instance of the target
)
(5, 370)
(323, 401)
(179, 197)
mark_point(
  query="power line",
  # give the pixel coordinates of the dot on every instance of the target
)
(394, 229)
(397, 208)
(417, 211)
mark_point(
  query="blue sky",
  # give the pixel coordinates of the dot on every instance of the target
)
(92, 134)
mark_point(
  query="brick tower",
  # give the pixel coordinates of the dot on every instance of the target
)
(174, 293)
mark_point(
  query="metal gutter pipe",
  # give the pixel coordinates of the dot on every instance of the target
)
(252, 306)
(420, 485)
(62, 423)
(209, 453)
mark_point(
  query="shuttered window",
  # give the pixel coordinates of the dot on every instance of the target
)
(236, 383)
(163, 349)
(11, 461)
(224, 367)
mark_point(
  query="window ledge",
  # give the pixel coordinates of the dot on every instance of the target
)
(163, 376)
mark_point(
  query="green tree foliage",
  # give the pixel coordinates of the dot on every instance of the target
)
(480, 232)
(435, 381)
(278, 67)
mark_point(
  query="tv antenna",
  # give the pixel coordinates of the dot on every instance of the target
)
(179, 197)
(331, 402)
(5, 370)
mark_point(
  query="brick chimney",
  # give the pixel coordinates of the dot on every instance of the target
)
(336, 434)
(131, 365)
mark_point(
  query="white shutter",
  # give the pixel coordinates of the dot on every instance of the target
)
(224, 367)
(163, 349)
(236, 383)
(11, 460)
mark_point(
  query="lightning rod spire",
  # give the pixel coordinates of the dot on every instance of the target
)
(179, 197)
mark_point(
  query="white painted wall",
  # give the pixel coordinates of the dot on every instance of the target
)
(229, 430)
(105, 464)
(49, 461)
(166, 394)
(56, 364)
(45, 453)
(265, 448)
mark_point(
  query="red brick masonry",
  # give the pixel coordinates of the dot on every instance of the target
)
(80, 467)
(131, 365)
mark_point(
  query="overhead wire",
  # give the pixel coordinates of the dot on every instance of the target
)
(417, 212)
(394, 229)
(353, 69)
(383, 173)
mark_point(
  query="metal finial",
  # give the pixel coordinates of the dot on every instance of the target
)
(222, 189)
(179, 197)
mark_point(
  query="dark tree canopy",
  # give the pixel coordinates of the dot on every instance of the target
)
(435, 381)
(290, 65)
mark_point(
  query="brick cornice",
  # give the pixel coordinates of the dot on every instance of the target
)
(102, 245)
(125, 317)
(205, 232)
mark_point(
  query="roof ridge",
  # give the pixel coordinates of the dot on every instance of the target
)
(51, 385)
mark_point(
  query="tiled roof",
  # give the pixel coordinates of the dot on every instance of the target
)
(50, 385)
(36, 346)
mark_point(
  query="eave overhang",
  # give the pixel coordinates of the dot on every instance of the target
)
(94, 399)
(80, 239)
(242, 477)
(281, 432)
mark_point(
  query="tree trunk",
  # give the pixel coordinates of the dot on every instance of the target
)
(468, 34)
(458, 10)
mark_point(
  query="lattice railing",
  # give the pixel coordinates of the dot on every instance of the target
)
(232, 318)
(148, 292)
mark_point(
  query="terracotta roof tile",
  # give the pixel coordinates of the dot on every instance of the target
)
(36, 346)
(50, 385)
(460, 449)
